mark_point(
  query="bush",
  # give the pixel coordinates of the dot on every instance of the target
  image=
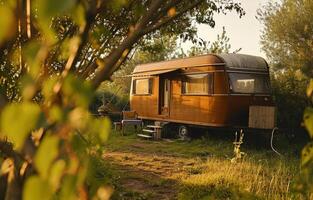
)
(289, 96)
(116, 102)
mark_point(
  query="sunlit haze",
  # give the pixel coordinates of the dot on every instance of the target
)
(243, 32)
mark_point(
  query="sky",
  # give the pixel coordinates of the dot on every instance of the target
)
(243, 32)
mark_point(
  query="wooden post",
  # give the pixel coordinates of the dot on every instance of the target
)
(157, 135)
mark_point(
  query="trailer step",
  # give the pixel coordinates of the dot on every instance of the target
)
(154, 126)
(148, 131)
(144, 136)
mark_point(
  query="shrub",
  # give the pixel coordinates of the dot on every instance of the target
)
(289, 95)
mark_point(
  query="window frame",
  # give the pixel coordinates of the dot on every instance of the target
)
(265, 75)
(150, 85)
(210, 83)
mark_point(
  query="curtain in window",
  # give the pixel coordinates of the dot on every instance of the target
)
(142, 86)
(198, 84)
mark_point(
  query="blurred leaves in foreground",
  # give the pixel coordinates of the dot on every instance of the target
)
(54, 54)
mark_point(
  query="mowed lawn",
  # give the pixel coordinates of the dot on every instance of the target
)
(200, 168)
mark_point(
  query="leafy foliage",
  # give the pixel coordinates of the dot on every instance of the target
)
(304, 184)
(54, 55)
(286, 37)
(26, 117)
(289, 95)
(220, 45)
(287, 41)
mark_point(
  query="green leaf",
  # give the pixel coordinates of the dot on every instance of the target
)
(47, 9)
(78, 118)
(36, 189)
(28, 87)
(117, 4)
(100, 128)
(65, 49)
(105, 127)
(47, 152)
(79, 144)
(77, 91)
(139, 9)
(56, 173)
(48, 86)
(50, 8)
(310, 88)
(82, 173)
(6, 22)
(307, 154)
(79, 15)
(308, 120)
(56, 114)
(30, 52)
(18, 120)
(68, 190)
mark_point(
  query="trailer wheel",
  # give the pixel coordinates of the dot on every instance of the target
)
(183, 132)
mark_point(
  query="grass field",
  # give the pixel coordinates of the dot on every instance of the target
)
(200, 168)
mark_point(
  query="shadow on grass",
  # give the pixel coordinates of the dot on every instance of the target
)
(199, 192)
(143, 164)
(133, 183)
(211, 143)
(259, 141)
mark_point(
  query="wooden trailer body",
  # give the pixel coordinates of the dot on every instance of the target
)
(209, 90)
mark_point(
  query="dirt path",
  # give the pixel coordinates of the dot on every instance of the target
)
(149, 175)
(198, 169)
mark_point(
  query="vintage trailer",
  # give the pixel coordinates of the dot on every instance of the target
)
(227, 90)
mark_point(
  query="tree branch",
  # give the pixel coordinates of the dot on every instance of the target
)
(110, 62)
(169, 19)
(97, 53)
(7, 149)
(84, 36)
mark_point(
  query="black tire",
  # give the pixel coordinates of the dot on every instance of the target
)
(184, 132)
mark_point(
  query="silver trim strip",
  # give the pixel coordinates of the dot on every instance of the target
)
(247, 72)
(203, 72)
(191, 66)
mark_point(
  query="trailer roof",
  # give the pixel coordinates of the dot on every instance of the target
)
(242, 61)
(230, 61)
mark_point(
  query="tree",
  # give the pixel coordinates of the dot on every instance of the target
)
(288, 43)
(286, 40)
(220, 45)
(287, 34)
(153, 50)
(290, 99)
(61, 51)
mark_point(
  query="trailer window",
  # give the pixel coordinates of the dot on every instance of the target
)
(249, 83)
(198, 84)
(142, 86)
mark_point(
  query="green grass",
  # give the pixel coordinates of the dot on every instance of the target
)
(201, 168)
